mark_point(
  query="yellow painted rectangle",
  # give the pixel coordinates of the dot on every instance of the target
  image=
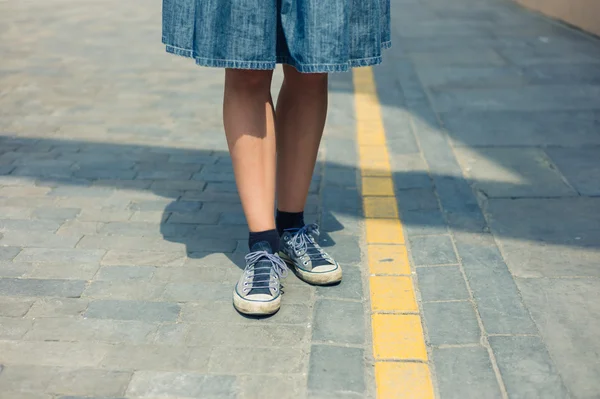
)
(392, 294)
(388, 259)
(380, 207)
(376, 186)
(398, 337)
(375, 172)
(402, 380)
(384, 231)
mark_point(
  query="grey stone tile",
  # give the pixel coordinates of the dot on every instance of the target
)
(41, 287)
(442, 284)
(464, 373)
(124, 289)
(171, 333)
(13, 327)
(535, 243)
(554, 73)
(513, 172)
(14, 307)
(580, 166)
(423, 222)
(351, 286)
(498, 301)
(74, 354)
(567, 312)
(528, 98)
(149, 384)
(155, 357)
(281, 386)
(64, 271)
(432, 250)
(191, 292)
(29, 225)
(43, 255)
(15, 269)
(481, 57)
(344, 248)
(451, 323)
(251, 335)
(333, 369)
(8, 253)
(133, 310)
(60, 214)
(75, 329)
(33, 239)
(223, 312)
(89, 382)
(226, 360)
(523, 128)
(470, 76)
(416, 199)
(25, 379)
(138, 273)
(527, 369)
(57, 307)
(339, 321)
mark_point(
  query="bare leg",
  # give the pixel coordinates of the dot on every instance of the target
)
(250, 129)
(301, 113)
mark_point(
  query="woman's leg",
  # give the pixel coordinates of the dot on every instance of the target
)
(250, 129)
(300, 116)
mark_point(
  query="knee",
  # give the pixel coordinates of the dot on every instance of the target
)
(248, 80)
(306, 81)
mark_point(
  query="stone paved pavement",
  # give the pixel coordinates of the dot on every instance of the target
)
(121, 231)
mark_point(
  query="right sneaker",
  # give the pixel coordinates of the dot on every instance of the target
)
(258, 292)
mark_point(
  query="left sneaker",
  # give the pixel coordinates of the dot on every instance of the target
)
(299, 248)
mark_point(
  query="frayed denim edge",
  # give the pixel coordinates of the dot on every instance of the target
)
(269, 65)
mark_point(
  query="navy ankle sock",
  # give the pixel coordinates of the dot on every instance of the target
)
(289, 220)
(269, 236)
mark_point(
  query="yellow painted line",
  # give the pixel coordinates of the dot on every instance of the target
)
(401, 363)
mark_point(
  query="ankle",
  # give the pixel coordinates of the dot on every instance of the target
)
(269, 236)
(289, 220)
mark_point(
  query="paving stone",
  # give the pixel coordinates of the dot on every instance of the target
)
(13, 328)
(57, 307)
(133, 310)
(60, 214)
(125, 242)
(55, 255)
(225, 360)
(15, 269)
(41, 287)
(580, 166)
(432, 250)
(281, 386)
(123, 289)
(74, 329)
(333, 369)
(150, 384)
(14, 307)
(155, 357)
(423, 222)
(25, 379)
(92, 215)
(183, 185)
(465, 373)
(514, 172)
(535, 245)
(199, 217)
(442, 283)
(351, 286)
(523, 128)
(29, 225)
(516, 357)
(137, 273)
(8, 253)
(143, 258)
(89, 382)
(251, 335)
(498, 301)
(568, 316)
(416, 199)
(223, 312)
(485, 57)
(451, 323)
(527, 98)
(73, 354)
(339, 322)
(192, 292)
(64, 271)
(76, 227)
(35, 239)
(470, 76)
(172, 333)
(344, 248)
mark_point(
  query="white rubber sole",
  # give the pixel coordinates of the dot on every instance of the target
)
(326, 278)
(256, 308)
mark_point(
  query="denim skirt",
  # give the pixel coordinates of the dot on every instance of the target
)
(311, 35)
